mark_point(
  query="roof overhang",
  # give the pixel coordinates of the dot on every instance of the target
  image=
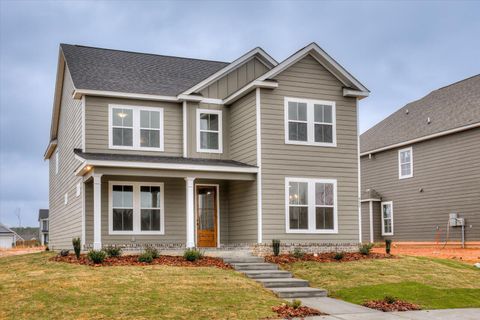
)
(50, 148)
(79, 93)
(353, 87)
(266, 84)
(257, 52)
(87, 165)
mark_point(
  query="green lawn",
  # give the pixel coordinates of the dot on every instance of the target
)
(31, 287)
(431, 283)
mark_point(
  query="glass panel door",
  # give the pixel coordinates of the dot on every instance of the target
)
(206, 216)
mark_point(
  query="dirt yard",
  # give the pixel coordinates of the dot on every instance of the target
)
(19, 251)
(469, 255)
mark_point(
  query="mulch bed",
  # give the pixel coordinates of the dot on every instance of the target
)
(132, 260)
(397, 305)
(285, 311)
(325, 257)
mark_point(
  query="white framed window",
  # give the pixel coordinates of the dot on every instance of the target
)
(65, 198)
(387, 218)
(311, 205)
(135, 127)
(405, 163)
(209, 131)
(136, 208)
(310, 122)
(57, 161)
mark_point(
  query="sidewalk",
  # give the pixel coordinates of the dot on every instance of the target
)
(341, 310)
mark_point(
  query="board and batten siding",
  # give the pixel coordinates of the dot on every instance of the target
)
(446, 178)
(65, 220)
(97, 130)
(243, 130)
(235, 79)
(308, 79)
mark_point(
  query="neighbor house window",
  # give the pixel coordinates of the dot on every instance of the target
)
(405, 163)
(136, 128)
(136, 208)
(310, 122)
(387, 218)
(311, 205)
(209, 131)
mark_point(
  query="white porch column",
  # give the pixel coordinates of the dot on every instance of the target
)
(97, 211)
(190, 212)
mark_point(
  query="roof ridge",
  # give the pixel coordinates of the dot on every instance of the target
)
(457, 82)
(143, 53)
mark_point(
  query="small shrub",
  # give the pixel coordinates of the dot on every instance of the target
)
(365, 249)
(388, 245)
(96, 256)
(153, 252)
(77, 246)
(192, 254)
(298, 253)
(113, 251)
(47, 248)
(389, 299)
(145, 257)
(295, 304)
(338, 256)
(276, 247)
(64, 252)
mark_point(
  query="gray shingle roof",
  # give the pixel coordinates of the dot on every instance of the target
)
(42, 214)
(4, 229)
(158, 159)
(450, 107)
(133, 72)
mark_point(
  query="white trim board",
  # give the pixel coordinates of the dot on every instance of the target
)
(428, 137)
(258, 113)
(381, 216)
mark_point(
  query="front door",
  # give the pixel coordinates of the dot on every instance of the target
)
(207, 212)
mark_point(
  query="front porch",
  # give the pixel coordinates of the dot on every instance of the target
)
(169, 209)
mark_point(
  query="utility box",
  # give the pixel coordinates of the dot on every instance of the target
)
(455, 221)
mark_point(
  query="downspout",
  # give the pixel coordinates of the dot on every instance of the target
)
(370, 204)
(259, 165)
(184, 105)
(359, 176)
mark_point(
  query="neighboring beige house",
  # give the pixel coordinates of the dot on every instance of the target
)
(43, 226)
(421, 164)
(179, 152)
(8, 237)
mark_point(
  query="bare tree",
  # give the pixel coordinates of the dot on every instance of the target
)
(19, 216)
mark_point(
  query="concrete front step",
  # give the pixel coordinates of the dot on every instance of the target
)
(263, 274)
(282, 282)
(254, 266)
(296, 292)
(233, 260)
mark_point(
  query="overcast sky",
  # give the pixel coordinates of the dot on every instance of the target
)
(400, 51)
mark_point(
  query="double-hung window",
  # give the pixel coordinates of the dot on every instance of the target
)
(387, 218)
(209, 131)
(405, 163)
(311, 205)
(135, 127)
(136, 208)
(310, 122)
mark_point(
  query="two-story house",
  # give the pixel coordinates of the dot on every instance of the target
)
(43, 226)
(179, 152)
(420, 169)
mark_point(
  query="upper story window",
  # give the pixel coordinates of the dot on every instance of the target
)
(405, 163)
(209, 131)
(44, 225)
(135, 128)
(311, 205)
(387, 218)
(310, 122)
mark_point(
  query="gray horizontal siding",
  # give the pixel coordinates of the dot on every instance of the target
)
(65, 220)
(308, 79)
(448, 171)
(96, 126)
(243, 226)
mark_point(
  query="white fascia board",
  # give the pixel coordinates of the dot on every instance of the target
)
(50, 148)
(246, 89)
(428, 137)
(78, 93)
(355, 93)
(368, 200)
(165, 166)
(230, 67)
(314, 48)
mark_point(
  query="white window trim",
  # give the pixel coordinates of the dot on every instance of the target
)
(311, 122)
(78, 189)
(383, 222)
(65, 198)
(136, 208)
(57, 161)
(311, 206)
(136, 127)
(220, 131)
(400, 176)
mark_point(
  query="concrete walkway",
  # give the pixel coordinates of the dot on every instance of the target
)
(341, 310)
